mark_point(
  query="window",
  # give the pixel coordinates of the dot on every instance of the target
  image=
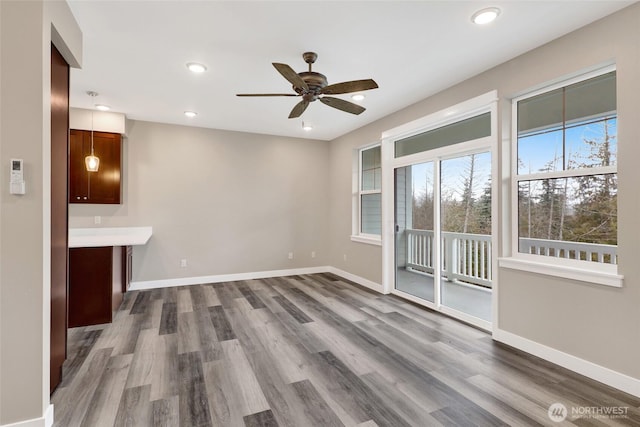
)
(566, 172)
(368, 215)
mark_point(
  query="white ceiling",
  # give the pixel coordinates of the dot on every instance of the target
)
(135, 54)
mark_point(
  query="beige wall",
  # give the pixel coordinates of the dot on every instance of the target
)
(228, 202)
(26, 32)
(592, 322)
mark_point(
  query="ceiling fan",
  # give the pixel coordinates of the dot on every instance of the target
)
(311, 86)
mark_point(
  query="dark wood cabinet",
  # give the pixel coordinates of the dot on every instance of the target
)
(103, 186)
(97, 282)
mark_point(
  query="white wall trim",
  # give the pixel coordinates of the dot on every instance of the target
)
(357, 279)
(589, 369)
(46, 420)
(597, 274)
(182, 281)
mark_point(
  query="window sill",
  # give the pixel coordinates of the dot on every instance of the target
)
(589, 275)
(368, 240)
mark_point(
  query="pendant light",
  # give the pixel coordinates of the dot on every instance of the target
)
(92, 162)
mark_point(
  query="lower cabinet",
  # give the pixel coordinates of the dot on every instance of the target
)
(98, 277)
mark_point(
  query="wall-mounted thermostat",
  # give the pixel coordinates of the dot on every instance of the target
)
(16, 184)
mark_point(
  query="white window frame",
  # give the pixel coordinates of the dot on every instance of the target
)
(357, 192)
(585, 271)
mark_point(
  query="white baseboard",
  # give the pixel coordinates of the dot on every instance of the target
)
(167, 283)
(45, 421)
(357, 279)
(588, 369)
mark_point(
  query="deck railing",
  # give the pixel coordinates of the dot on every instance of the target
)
(607, 254)
(467, 257)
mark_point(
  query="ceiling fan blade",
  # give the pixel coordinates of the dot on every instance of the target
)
(266, 94)
(348, 87)
(343, 105)
(293, 77)
(299, 109)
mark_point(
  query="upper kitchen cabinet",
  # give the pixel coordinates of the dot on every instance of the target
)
(103, 186)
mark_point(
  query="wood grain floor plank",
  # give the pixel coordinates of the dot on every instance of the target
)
(152, 317)
(294, 311)
(497, 407)
(169, 318)
(253, 399)
(308, 350)
(102, 410)
(221, 325)
(143, 360)
(165, 370)
(408, 409)
(193, 400)
(227, 293)
(188, 335)
(83, 344)
(316, 410)
(305, 337)
(261, 419)
(210, 297)
(283, 401)
(165, 412)
(250, 296)
(354, 395)
(141, 303)
(222, 395)
(73, 401)
(135, 408)
(183, 300)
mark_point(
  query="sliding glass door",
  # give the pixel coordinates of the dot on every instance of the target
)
(465, 230)
(443, 249)
(414, 212)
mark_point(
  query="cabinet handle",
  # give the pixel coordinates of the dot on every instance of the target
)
(78, 198)
(85, 197)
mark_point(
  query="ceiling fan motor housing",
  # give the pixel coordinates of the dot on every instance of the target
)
(315, 82)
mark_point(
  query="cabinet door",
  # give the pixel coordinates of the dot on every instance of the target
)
(104, 185)
(90, 286)
(78, 179)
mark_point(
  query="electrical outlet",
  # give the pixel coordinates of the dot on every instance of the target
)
(290, 255)
(97, 219)
(183, 262)
(345, 257)
(313, 254)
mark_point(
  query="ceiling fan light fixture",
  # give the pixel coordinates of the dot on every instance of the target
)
(190, 114)
(485, 16)
(357, 97)
(196, 67)
(306, 127)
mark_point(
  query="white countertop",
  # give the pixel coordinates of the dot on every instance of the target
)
(108, 236)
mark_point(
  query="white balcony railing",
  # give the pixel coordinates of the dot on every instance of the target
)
(595, 252)
(467, 257)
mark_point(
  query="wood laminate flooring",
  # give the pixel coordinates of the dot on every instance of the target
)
(312, 350)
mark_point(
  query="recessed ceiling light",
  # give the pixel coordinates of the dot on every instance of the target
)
(357, 97)
(485, 16)
(103, 107)
(190, 114)
(196, 67)
(307, 127)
